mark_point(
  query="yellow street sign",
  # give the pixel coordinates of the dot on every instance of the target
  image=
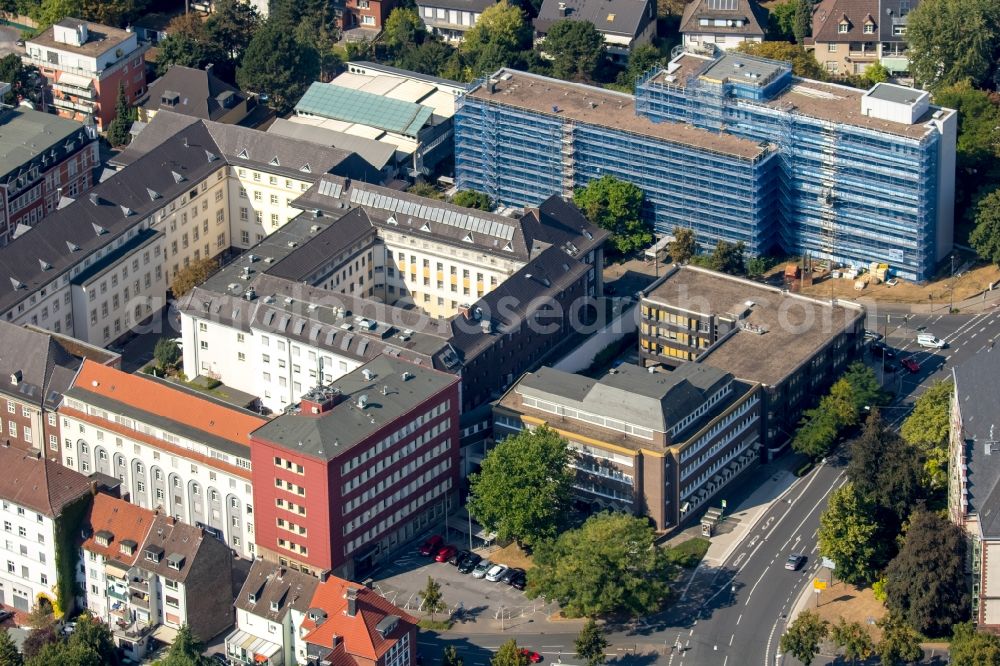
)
(819, 584)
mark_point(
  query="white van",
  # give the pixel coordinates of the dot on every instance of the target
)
(928, 340)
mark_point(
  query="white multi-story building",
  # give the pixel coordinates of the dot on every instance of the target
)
(187, 190)
(41, 500)
(173, 450)
(269, 611)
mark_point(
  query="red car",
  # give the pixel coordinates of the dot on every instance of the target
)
(532, 656)
(431, 546)
(909, 363)
(445, 552)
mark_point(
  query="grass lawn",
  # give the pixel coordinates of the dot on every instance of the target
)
(688, 553)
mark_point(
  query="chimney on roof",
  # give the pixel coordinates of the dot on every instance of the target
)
(352, 601)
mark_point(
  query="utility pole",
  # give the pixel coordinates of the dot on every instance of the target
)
(951, 295)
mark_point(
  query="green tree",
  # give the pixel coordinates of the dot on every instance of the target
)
(900, 644)
(643, 58)
(432, 57)
(433, 602)
(96, 636)
(848, 535)
(884, 469)
(117, 13)
(424, 189)
(973, 648)
(925, 582)
(48, 12)
(978, 145)
(803, 636)
(802, 20)
(875, 73)
(186, 650)
(757, 266)
(865, 389)
(523, 488)
(576, 48)
(499, 39)
(729, 257)
(927, 428)
(192, 275)
(118, 128)
(985, 237)
(804, 63)
(231, 26)
(616, 205)
(18, 75)
(37, 639)
(854, 638)
(403, 30)
(472, 199)
(781, 21)
(509, 654)
(279, 66)
(591, 644)
(816, 433)
(610, 564)
(9, 656)
(684, 245)
(450, 657)
(188, 43)
(167, 353)
(65, 653)
(954, 40)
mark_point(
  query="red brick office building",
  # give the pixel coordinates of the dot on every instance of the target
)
(357, 469)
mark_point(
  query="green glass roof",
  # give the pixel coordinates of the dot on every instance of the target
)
(356, 106)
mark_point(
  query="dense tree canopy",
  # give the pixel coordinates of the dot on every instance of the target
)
(192, 275)
(18, 75)
(576, 48)
(978, 147)
(803, 636)
(118, 128)
(9, 656)
(684, 245)
(853, 638)
(643, 58)
(591, 644)
(900, 644)
(885, 469)
(499, 39)
(973, 648)
(610, 564)
(728, 257)
(925, 582)
(278, 65)
(189, 44)
(616, 205)
(985, 237)
(472, 199)
(781, 21)
(509, 654)
(927, 428)
(954, 40)
(523, 488)
(186, 650)
(848, 535)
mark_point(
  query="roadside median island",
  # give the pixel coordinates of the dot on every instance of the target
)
(688, 554)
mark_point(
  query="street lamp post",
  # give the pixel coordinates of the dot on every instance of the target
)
(951, 291)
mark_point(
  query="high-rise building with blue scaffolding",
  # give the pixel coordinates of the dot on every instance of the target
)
(734, 147)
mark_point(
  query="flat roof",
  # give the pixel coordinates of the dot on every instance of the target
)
(795, 326)
(25, 134)
(735, 67)
(372, 397)
(605, 108)
(898, 94)
(100, 38)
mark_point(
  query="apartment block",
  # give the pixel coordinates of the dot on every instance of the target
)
(173, 450)
(44, 158)
(357, 469)
(793, 346)
(41, 500)
(655, 444)
(39, 367)
(147, 575)
(522, 138)
(85, 63)
(865, 175)
(270, 610)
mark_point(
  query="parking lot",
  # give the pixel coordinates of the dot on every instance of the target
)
(494, 606)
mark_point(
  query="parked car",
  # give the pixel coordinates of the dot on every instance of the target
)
(532, 656)
(519, 580)
(494, 574)
(928, 340)
(795, 561)
(5, 615)
(510, 573)
(431, 546)
(880, 349)
(459, 557)
(482, 568)
(445, 552)
(910, 364)
(469, 563)
(874, 336)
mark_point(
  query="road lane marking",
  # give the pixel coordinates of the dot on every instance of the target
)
(739, 618)
(757, 583)
(731, 640)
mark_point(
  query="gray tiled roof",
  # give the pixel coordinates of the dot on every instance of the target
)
(376, 153)
(200, 93)
(271, 582)
(44, 366)
(754, 15)
(976, 384)
(174, 539)
(617, 17)
(388, 397)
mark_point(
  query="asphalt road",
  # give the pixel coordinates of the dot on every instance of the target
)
(735, 614)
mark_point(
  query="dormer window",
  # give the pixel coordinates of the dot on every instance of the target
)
(274, 606)
(252, 597)
(844, 27)
(103, 538)
(869, 28)
(127, 547)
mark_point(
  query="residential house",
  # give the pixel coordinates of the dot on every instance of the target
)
(42, 159)
(198, 93)
(364, 19)
(351, 625)
(893, 46)
(624, 24)
(36, 369)
(270, 608)
(174, 449)
(451, 19)
(846, 36)
(43, 505)
(722, 24)
(85, 63)
(357, 469)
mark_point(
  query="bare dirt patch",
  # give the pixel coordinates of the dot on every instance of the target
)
(512, 556)
(934, 293)
(841, 600)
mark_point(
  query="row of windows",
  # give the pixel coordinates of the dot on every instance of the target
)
(290, 506)
(414, 506)
(400, 454)
(290, 487)
(289, 465)
(388, 441)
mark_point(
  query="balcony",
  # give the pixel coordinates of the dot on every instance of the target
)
(64, 103)
(116, 592)
(139, 600)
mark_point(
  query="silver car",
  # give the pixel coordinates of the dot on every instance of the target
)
(481, 569)
(494, 574)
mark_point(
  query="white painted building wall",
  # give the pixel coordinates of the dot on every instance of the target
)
(28, 557)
